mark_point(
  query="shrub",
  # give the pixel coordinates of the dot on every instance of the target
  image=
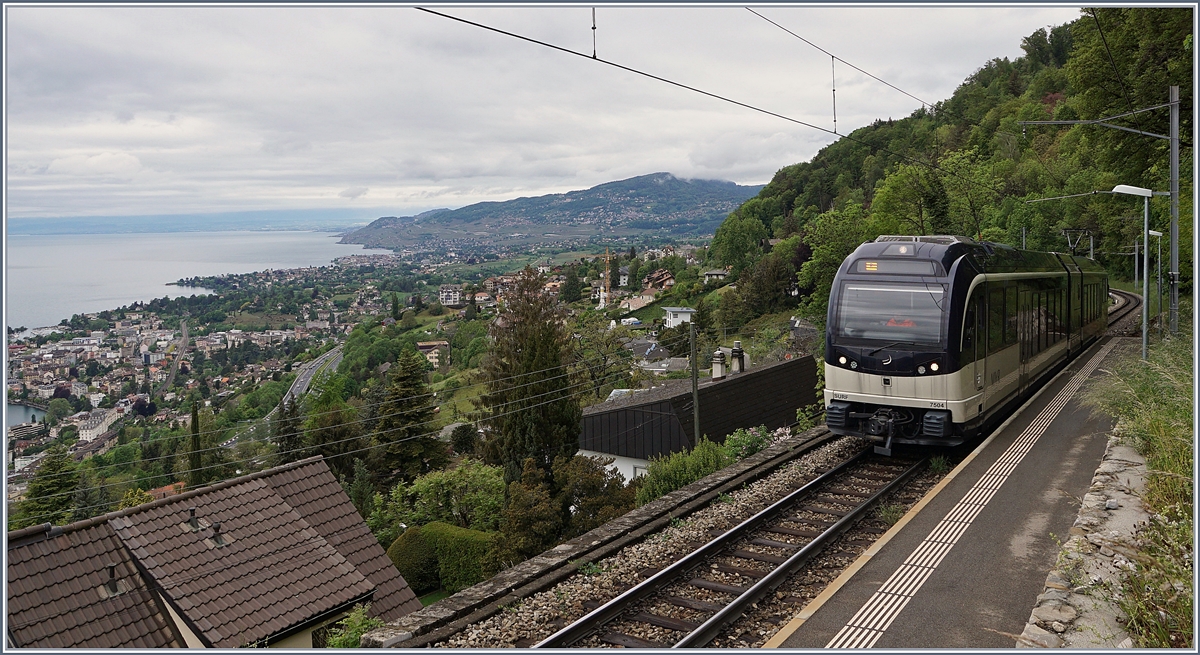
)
(463, 439)
(416, 560)
(460, 554)
(666, 474)
(349, 631)
(744, 442)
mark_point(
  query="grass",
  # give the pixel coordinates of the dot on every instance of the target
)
(433, 597)
(890, 513)
(1152, 402)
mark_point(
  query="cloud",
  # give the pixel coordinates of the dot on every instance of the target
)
(245, 108)
(105, 164)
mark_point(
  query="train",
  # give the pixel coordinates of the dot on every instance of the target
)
(933, 340)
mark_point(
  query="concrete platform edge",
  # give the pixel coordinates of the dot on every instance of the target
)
(777, 640)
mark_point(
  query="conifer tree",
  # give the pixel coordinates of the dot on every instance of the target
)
(289, 432)
(533, 413)
(572, 288)
(195, 470)
(48, 498)
(402, 447)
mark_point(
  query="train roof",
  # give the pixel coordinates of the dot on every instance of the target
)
(987, 257)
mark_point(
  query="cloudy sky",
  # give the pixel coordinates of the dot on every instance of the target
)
(163, 110)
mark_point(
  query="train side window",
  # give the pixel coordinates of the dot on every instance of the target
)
(995, 319)
(1010, 314)
(974, 306)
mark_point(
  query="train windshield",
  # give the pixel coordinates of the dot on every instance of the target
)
(891, 312)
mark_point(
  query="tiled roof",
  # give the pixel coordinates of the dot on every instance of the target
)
(316, 494)
(294, 549)
(55, 598)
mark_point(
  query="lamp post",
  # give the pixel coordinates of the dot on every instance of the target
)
(1145, 194)
(1158, 289)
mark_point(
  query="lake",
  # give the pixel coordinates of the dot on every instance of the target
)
(52, 277)
(18, 414)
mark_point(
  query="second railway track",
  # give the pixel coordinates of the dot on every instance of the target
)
(691, 601)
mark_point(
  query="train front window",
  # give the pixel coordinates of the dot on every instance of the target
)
(892, 312)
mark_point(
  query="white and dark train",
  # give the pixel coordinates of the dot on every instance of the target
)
(931, 340)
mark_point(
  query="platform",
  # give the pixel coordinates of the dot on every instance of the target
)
(965, 570)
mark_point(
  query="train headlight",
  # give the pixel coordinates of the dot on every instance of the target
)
(921, 370)
(842, 360)
(933, 367)
(853, 364)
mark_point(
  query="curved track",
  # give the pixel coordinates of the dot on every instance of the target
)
(692, 600)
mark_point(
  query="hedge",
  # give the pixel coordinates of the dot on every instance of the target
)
(442, 555)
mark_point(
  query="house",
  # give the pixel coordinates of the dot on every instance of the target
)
(676, 316)
(432, 350)
(450, 295)
(623, 276)
(660, 279)
(715, 275)
(97, 423)
(267, 559)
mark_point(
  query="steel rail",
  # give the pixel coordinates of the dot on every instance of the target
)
(713, 626)
(597, 618)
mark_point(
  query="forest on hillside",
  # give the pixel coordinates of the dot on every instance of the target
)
(965, 166)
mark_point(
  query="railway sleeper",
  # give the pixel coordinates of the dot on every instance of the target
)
(717, 586)
(694, 604)
(679, 625)
(760, 557)
(627, 641)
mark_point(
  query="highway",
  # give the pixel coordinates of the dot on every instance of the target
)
(179, 352)
(304, 376)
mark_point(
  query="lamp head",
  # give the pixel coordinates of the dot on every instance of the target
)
(1132, 190)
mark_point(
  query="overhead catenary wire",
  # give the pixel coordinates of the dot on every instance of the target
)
(253, 424)
(715, 96)
(374, 419)
(311, 448)
(308, 449)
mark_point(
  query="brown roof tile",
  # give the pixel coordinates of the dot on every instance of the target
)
(295, 548)
(55, 601)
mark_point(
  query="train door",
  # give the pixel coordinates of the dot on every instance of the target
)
(975, 338)
(1025, 333)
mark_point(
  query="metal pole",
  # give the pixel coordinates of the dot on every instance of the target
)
(1022, 237)
(1174, 273)
(1091, 246)
(695, 385)
(1145, 279)
(1160, 293)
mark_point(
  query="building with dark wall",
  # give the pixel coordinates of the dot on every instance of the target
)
(640, 426)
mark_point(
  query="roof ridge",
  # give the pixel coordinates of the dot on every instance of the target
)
(25, 533)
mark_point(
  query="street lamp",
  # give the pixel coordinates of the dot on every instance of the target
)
(1145, 194)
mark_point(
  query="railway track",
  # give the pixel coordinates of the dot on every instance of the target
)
(688, 603)
(711, 585)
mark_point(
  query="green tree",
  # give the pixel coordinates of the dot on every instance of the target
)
(571, 289)
(91, 497)
(395, 307)
(195, 456)
(464, 438)
(532, 520)
(533, 413)
(330, 429)
(59, 408)
(590, 493)
(402, 447)
(832, 237)
(349, 631)
(48, 498)
(288, 432)
(361, 490)
(599, 353)
(134, 497)
(736, 242)
(635, 281)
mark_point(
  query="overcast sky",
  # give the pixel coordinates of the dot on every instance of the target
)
(162, 110)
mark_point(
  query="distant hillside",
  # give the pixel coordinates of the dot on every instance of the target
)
(659, 204)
